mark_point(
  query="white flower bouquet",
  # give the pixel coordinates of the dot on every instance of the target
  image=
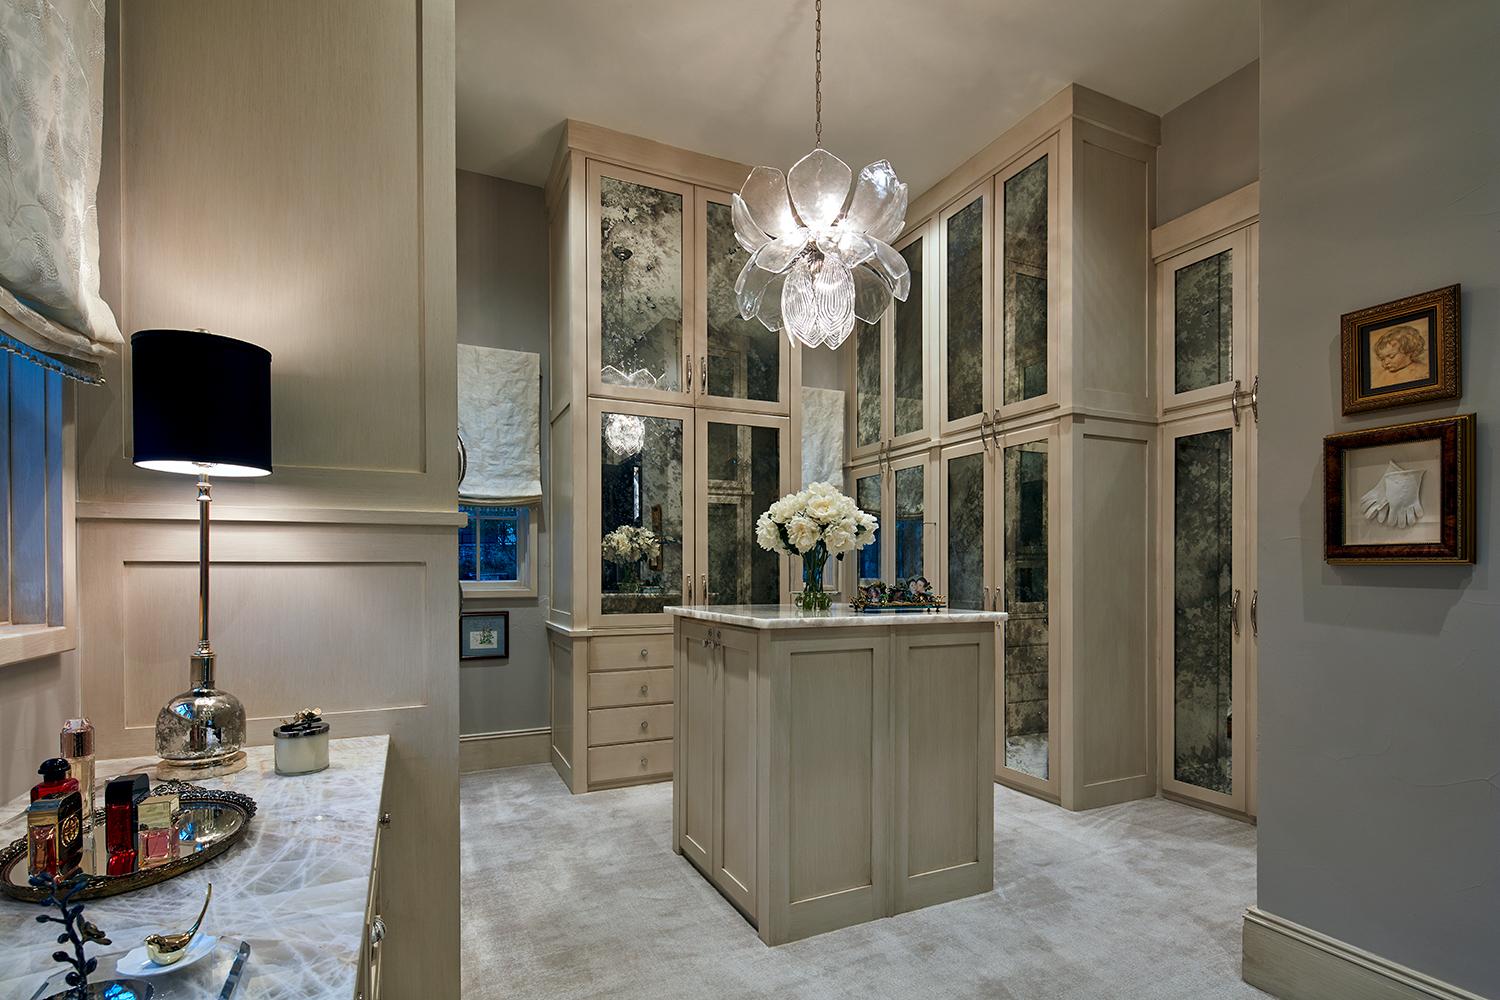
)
(813, 523)
(629, 544)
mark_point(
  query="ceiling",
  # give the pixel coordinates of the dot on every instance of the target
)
(922, 83)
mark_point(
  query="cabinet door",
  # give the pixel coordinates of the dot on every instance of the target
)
(1026, 710)
(869, 494)
(967, 547)
(694, 775)
(640, 284)
(902, 494)
(1204, 296)
(740, 473)
(964, 311)
(869, 417)
(736, 767)
(911, 324)
(740, 364)
(1026, 291)
(639, 523)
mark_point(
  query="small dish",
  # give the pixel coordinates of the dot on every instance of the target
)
(136, 963)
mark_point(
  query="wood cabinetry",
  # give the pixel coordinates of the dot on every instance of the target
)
(833, 773)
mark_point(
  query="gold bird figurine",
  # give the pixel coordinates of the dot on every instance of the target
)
(165, 949)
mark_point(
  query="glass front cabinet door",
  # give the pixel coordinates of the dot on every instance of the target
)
(741, 472)
(902, 494)
(1027, 297)
(964, 311)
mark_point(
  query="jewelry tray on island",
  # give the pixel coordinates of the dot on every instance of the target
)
(913, 595)
(210, 821)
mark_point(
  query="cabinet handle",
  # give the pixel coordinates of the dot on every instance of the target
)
(643, 689)
(377, 930)
(385, 819)
(995, 429)
(644, 654)
(1254, 625)
(687, 383)
(705, 375)
(689, 579)
(995, 601)
(1234, 611)
(984, 422)
(644, 725)
(643, 762)
(985, 599)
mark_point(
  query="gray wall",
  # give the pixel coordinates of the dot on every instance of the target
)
(502, 302)
(1210, 145)
(1379, 686)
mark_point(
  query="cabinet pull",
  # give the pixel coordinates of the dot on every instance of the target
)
(643, 689)
(1253, 395)
(1254, 625)
(687, 383)
(984, 422)
(1234, 611)
(985, 599)
(689, 579)
(995, 429)
(704, 388)
(643, 762)
(644, 725)
(645, 653)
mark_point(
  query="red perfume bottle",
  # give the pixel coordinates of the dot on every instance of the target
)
(120, 821)
(56, 779)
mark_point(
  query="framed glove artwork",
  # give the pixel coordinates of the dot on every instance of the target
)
(1401, 494)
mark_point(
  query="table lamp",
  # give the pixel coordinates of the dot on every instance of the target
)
(202, 403)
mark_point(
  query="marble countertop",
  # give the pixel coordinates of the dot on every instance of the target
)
(787, 616)
(294, 887)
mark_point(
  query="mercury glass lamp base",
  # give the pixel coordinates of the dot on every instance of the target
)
(170, 770)
(201, 727)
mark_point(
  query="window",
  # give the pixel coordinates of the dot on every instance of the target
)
(35, 534)
(495, 551)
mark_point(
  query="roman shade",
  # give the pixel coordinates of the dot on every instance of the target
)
(499, 400)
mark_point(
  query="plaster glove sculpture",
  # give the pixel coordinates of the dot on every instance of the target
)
(1396, 499)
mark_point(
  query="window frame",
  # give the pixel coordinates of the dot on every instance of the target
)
(525, 584)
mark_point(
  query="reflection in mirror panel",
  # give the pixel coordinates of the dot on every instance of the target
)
(909, 347)
(1026, 631)
(641, 513)
(966, 532)
(867, 496)
(744, 358)
(1203, 646)
(965, 319)
(867, 351)
(1024, 299)
(640, 285)
(1203, 322)
(911, 489)
(744, 479)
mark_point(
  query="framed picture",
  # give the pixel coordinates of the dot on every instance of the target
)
(1402, 494)
(1402, 352)
(483, 635)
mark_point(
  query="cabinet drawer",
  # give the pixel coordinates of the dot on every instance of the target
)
(628, 761)
(630, 687)
(623, 725)
(625, 652)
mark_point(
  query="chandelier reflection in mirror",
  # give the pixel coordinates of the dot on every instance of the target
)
(816, 265)
(625, 434)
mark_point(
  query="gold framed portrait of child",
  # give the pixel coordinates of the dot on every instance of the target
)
(1402, 352)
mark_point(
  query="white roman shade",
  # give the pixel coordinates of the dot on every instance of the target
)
(51, 126)
(822, 436)
(499, 406)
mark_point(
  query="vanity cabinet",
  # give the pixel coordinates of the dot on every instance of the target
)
(673, 420)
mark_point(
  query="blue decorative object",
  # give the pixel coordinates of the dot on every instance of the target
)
(76, 929)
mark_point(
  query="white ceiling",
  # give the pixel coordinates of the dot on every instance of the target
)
(922, 83)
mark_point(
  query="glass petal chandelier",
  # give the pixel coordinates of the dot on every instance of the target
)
(819, 258)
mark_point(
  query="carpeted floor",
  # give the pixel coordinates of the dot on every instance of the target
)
(581, 897)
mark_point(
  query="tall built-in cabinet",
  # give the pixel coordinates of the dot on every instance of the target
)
(673, 420)
(1028, 483)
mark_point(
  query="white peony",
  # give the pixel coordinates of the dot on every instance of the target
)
(839, 536)
(768, 536)
(823, 507)
(785, 509)
(803, 532)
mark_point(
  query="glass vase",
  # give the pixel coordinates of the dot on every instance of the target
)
(813, 597)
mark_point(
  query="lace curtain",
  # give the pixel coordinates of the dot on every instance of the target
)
(51, 124)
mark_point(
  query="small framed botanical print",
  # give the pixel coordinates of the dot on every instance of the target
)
(483, 634)
(1402, 494)
(1402, 352)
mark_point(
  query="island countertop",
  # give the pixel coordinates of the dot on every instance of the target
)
(294, 887)
(842, 615)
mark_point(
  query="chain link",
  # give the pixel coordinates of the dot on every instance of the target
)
(818, 83)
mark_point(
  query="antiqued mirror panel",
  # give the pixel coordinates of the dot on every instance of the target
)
(966, 532)
(1203, 322)
(744, 479)
(867, 364)
(867, 495)
(911, 490)
(640, 285)
(964, 335)
(1024, 295)
(744, 358)
(1203, 644)
(1027, 661)
(909, 348)
(640, 503)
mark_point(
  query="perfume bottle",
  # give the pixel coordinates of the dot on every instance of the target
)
(77, 741)
(56, 779)
(120, 821)
(54, 834)
(156, 831)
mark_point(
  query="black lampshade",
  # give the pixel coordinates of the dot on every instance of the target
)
(201, 400)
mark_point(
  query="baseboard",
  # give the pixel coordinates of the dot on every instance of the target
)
(1292, 962)
(487, 751)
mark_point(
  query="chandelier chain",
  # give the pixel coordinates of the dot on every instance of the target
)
(818, 81)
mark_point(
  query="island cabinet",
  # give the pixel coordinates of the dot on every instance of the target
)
(833, 770)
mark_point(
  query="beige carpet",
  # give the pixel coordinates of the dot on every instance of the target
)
(581, 897)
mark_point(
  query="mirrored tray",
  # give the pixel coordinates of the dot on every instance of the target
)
(209, 823)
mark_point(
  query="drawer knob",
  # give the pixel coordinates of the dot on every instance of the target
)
(644, 654)
(643, 689)
(644, 725)
(643, 762)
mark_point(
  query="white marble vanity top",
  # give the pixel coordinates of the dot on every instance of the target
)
(787, 616)
(294, 887)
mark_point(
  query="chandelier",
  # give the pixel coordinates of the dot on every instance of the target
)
(815, 265)
(625, 434)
